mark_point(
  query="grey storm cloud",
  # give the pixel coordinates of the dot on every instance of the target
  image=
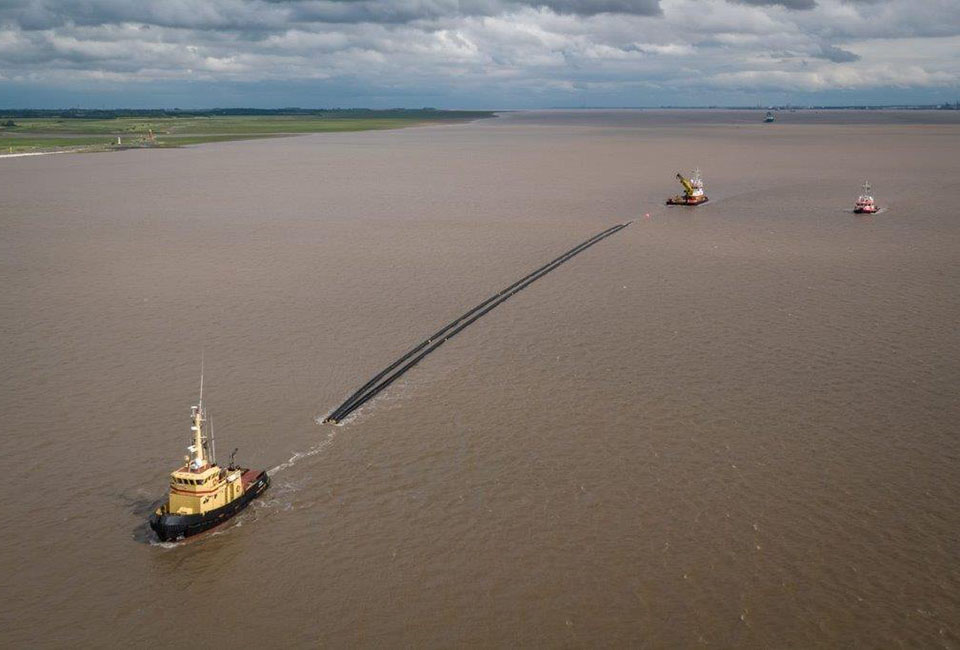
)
(211, 14)
(275, 14)
(800, 5)
(481, 47)
(593, 7)
(789, 4)
(409, 10)
(836, 54)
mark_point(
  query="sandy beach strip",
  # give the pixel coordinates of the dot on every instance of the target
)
(35, 153)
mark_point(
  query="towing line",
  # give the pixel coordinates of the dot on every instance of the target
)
(393, 372)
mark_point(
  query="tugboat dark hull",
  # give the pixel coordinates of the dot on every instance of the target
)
(170, 527)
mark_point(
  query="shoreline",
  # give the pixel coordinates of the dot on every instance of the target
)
(32, 135)
(38, 153)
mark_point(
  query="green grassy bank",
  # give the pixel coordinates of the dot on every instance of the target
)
(35, 131)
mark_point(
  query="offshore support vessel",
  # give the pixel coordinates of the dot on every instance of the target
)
(865, 204)
(203, 494)
(692, 191)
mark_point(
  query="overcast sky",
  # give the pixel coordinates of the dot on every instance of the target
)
(476, 53)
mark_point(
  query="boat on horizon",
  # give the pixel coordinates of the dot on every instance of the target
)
(204, 495)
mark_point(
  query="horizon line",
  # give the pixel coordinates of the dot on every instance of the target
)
(946, 105)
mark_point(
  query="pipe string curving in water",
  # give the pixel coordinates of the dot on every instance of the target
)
(393, 372)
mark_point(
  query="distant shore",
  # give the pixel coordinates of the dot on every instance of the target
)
(35, 132)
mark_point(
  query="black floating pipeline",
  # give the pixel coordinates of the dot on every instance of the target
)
(393, 372)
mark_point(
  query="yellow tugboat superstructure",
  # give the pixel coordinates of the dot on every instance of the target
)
(203, 494)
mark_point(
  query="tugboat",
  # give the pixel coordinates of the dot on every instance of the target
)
(865, 204)
(692, 191)
(203, 494)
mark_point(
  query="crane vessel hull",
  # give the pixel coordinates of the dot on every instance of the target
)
(685, 200)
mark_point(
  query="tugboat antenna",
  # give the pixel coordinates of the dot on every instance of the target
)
(213, 444)
(201, 379)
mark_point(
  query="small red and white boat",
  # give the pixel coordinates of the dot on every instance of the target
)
(865, 204)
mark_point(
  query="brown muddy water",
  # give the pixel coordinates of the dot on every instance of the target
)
(735, 425)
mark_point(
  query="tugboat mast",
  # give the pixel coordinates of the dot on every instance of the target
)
(197, 448)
